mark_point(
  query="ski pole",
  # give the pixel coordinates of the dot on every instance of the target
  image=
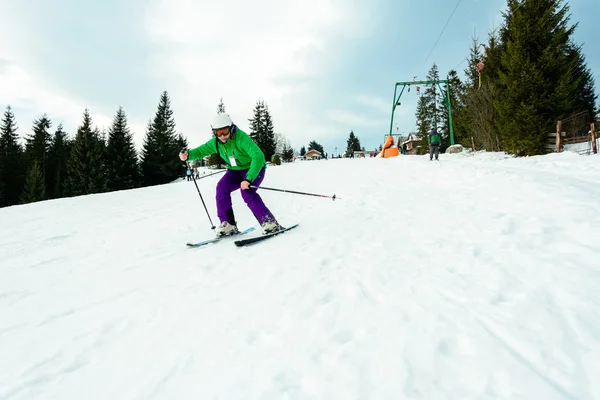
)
(201, 198)
(211, 174)
(294, 192)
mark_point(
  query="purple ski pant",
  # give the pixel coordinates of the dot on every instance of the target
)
(231, 181)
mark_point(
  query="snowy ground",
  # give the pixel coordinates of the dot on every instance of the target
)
(476, 277)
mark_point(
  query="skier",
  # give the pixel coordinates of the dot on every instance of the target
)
(245, 166)
(434, 143)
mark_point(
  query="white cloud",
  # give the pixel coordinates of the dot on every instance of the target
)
(278, 51)
(243, 51)
(349, 118)
(31, 98)
(375, 103)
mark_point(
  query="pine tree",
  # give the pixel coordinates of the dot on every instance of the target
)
(352, 144)
(543, 73)
(476, 116)
(58, 155)
(422, 114)
(160, 163)
(493, 60)
(86, 165)
(430, 108)
(221, 107)
(121, 157)
(182, 142)
(268, 143)
(313, 145)
(585, 97)
(35, 188)
(262, 130)
(438, 107)
(471, 71)
(12, 161)
(302, 150)
(457, 95)
(287, 152)
(256, 123)
(38, 145)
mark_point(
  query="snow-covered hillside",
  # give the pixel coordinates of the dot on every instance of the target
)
(475, 277)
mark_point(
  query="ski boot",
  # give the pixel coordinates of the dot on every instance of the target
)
(270, 227)
(226, 229)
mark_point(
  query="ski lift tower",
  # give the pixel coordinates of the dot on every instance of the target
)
(445, 95)
(396, 135)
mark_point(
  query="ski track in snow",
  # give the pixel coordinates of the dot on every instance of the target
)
(475, 277)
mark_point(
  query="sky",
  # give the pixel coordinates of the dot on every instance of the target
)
(323, 67)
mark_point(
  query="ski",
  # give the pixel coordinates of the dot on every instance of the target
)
(252, 240)
(214, 240)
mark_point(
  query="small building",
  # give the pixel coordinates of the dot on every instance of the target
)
(413, 142)
(313, 155)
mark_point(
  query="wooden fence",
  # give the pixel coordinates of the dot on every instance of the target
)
(575, 133)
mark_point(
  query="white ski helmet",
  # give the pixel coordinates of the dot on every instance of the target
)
(220, 121)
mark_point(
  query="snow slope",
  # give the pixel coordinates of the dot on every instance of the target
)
(476, 277)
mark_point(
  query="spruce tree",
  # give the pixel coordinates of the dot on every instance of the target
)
(37, 146)
(268, 139)
(86, 165)
(585, 96)
(357, 145)
(257, 124)
(121, 158)
(543, 74)
(313, 145)
(422, 114)
(182, 142)
(302, 150)
(438, 107)
(493, 60)
(475, 115)
(430, 108)
(352, 144)
(12, 161)
(58, 155)
(160, 163)
(457, 95)
(287, 152)
(35, 188)
(471, 71)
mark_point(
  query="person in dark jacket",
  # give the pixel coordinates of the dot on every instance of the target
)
(434, 139)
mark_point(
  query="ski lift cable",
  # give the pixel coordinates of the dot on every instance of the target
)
(439, 37)
(460, 63)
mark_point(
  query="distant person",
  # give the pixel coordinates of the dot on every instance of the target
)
(434, 140)
(245, 166)
(188, 172)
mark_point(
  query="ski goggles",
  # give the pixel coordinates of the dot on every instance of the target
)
(222, 132)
